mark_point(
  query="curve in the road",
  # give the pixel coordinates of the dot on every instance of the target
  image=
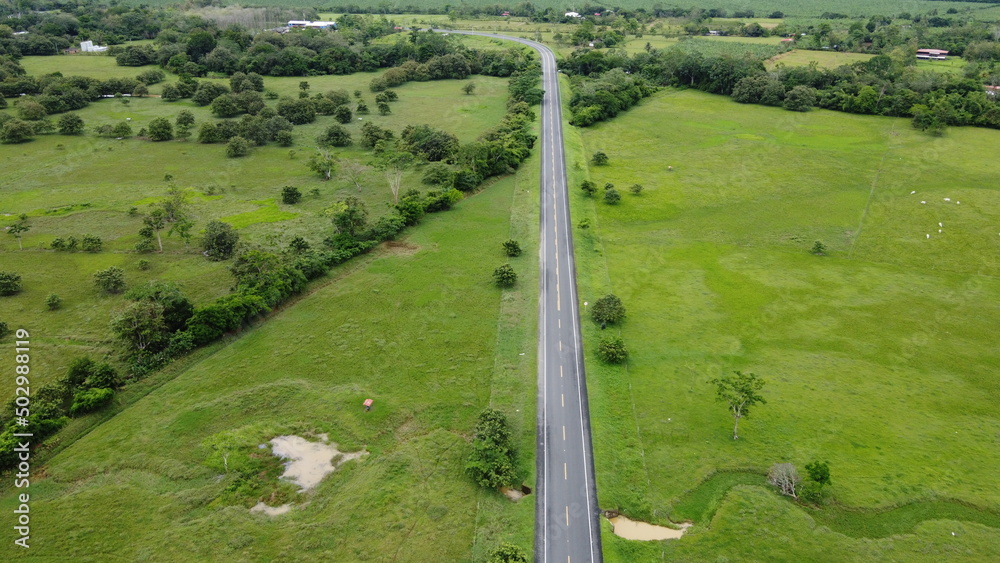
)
(567, 517)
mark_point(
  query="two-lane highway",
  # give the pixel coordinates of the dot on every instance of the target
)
(567, 525)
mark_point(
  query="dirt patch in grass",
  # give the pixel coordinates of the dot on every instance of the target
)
(399, 247)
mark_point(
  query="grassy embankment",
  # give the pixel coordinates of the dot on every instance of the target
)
(879, 356)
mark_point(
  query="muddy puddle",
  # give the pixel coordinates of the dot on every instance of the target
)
(632, 530)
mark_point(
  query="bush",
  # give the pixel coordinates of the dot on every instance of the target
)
(589, 188)
(612, 197)
(505, 276)
(90, 400)
(220, 240)
(290, 195)
(10, 283)
(612, 350)
(335, 136)
(160, 129)
(508, 553)
(91, 243)
(70, 124)
(284, 138)
(599, 159)
(343, 114)
(237, 147)
(512, 248)
(608, 309)
(492, 462)
(819, 249)
(53, 302)
(4, 330)
(143, 265)
(438, 174)
(110, 280)
(636, 189)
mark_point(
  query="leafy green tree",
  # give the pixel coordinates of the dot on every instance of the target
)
(335, 136)
(10, 283)
(237, 147)
(90, 400)
(220, 240)
(297, 111)
(299, 244)
(384, 109)
(154, 222)
(160, 129)
(469, 88)
(121, 130)
(508, 553)
(819, 249)
(140, 327)
(739, 391)
(371, 134)
(600, 158)
(608, 309)
(504, 276)
(819, 471)
(612, 196)
(512, 248)
(91, 243)
(589, 188)
(612, 350)
(185, 118)
(53, 302)
(15, 131)
(493, 461)
(70, 124)
(343, 114)
(323, 163)
(800, 98)
(636, 189)
(350, 217)
(18, 228)
(290, 195)
(110, 280)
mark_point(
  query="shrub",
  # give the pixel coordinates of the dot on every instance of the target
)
(90, 400)
(508, 553)
(343, 114)
(4, 330)
(91, 243)
(589, 188)
(70, 124)
(336, 136)
(612, 350)
(143, 264)
(819, 249)
(284, 138)
(438, 174)
(608, 309)
(635, 189)
(290, 195)
(10, 283)
(220, 240)
(110, 280)
(53, 302)
(611, 196)
(492, 462)
(512, 248)
(505, 276)
(599, 159)
(160, 129)
(237, 147)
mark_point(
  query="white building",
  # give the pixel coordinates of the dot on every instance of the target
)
(573, 15)
(89, 47)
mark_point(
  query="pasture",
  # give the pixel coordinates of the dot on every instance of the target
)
(823, 59)
(878, 356)
(78, 185)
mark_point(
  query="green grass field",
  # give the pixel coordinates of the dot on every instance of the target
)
(879, 356)
(55, 171)
(823, 59)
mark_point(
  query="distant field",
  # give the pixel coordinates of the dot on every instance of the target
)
(879, 357)
(824, 59)
(953, 64)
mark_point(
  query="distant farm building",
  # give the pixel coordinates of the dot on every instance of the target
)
(932, 54)
(89, 47)
(573, 15)
(306, 24)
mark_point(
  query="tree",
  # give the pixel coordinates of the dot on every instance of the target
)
(800, 98)
(493, 461)
(110, 280)
(297, 111)
(740, 391)
(636, 189)
(355, 172)
(16, 131)
(160, 129)
(599, 159)
(140, 326)
(612, 350)
(612, 196)
(185, 118)
(785, 477)
(237, 147)
(153, 223)
(91, 243)
(290, 195)
(323, 163)
(469, 88)
(299, 244)
(819, 471)
(350, 216)
(335, 136)
(393, 161)
(70, 124)
(383, 108)
(343, 114)
(220, 240)
(371, 134)
(53, 302)
(819, 249)
(504, 276)
(512, 248)
(608, 309)
(18, 228)
(589, 188)
(508, 553)
(10, 283)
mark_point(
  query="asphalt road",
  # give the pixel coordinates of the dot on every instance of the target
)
(567, 525)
